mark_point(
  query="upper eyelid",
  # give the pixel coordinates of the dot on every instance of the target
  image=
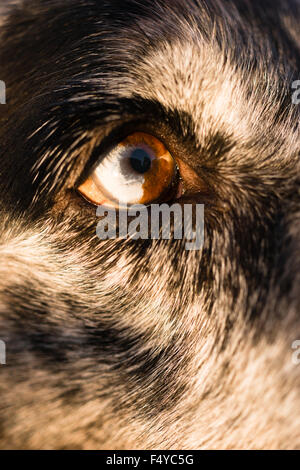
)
(114, 137)
(114, 120)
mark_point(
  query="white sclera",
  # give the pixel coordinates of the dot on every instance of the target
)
(116, 177)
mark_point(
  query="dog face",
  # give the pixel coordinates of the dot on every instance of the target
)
(140, 343)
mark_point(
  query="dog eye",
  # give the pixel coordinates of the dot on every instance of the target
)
(139, 170)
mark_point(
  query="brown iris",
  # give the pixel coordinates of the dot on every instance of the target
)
(137, 171)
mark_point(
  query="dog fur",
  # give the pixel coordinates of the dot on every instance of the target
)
(124, 344)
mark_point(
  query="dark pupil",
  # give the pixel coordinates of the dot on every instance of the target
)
(140, 161)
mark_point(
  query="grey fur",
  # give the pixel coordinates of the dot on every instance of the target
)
(142, 344)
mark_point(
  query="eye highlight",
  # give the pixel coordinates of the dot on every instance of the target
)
(139, 170)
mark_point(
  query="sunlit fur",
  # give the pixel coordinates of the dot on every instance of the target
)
(141, 344)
